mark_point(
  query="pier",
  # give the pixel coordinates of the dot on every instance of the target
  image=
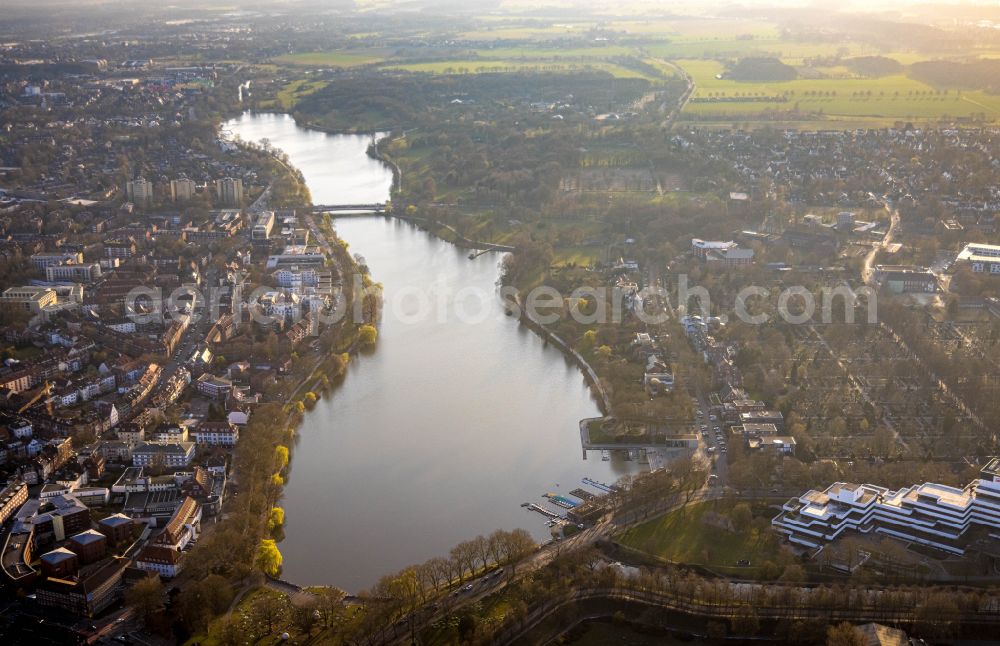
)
(674, 443)
(598, 485)
(561, 501)
(542, 510)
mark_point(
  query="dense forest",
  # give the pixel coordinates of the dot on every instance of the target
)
(981, 74)
(390, 100)
(761, 69)
(874, 66)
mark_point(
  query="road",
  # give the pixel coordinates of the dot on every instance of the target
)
(193, 335)
(688, 93)
(712, 446)
(868, 269)
(488, 584)
(318, 235)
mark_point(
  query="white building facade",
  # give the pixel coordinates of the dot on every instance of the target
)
(929, 514)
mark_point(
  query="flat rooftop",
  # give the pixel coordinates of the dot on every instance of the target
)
(975, 251)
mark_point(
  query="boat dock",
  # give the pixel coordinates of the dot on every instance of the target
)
(582, 494)
(598, 485)
(562, 501)
(541, 510)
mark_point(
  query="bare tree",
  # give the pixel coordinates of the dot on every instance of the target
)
(517, 544)
(496, 545)
(689, 474)
(464, 555)
(482, 547)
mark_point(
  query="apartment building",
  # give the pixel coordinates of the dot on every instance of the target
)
(42, 260)
(11, 498)
(139, 191)
(167, 454)
(181, 189)
(81, 273)
(263, 226)
(230, 191)
(214, 387)
(218, 434)
(120, 248)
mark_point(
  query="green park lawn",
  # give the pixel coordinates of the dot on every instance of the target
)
(289, 95)
(682, 536)
(579, 256)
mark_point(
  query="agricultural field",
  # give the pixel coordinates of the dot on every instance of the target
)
(336, 58)
(697, 29)
(483, 66)
(826, 91)
(792, 52)
(895, 96)
(688, 29)
(556, 53)
(528, 32)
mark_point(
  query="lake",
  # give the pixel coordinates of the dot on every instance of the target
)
(443, 430)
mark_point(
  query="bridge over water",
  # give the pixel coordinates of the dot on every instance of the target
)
(376, 207)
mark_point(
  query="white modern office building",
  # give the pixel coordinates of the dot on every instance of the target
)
(929, 514)
(981, 258)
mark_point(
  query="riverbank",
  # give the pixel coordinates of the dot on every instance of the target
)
(455, 238)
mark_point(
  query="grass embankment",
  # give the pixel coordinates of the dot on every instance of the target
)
(708, 534)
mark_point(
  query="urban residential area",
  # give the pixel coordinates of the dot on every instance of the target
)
(345, 322)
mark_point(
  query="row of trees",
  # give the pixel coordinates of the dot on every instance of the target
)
(402, 593)
(931, 612)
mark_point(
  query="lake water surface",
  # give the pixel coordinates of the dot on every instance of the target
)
(447, 427)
